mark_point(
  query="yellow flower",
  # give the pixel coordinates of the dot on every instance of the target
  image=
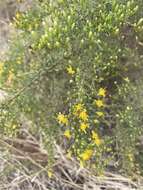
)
(96, 138)
(70, 70)
(87, 154)
(62, 119)
(77, 108)
(94, 135)
(102, 92)
(99, 113)
(83, 115)
(99, 103)
(84, 126)
(50, 173)
(17, 15)
(67, 134)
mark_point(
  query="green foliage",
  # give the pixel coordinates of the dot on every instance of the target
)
(77, 53)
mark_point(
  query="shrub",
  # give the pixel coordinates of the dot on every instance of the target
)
(70, 71)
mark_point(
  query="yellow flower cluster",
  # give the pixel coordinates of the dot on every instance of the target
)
(81, 119)
(62, 119)
(99, 103)
(96, 138)
(77, 109)
(102, 92)
(84, 126)
(80, 111)
(67, 134)
(83, 115)
(86, 155)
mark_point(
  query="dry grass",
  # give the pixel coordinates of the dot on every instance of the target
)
(22, 171)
